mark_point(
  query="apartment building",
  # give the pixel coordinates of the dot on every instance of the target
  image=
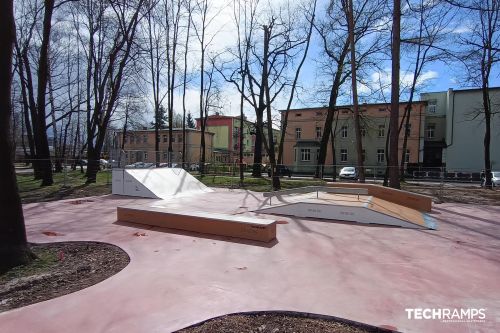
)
(305, 129)
(226, 131)
(455, 127)
(139, 145)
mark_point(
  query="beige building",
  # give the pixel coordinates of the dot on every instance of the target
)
(305, 129)
(140, 145)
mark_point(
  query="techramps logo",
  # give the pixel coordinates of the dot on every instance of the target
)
(448, 315)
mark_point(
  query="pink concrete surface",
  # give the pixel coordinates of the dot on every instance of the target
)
(363, 273)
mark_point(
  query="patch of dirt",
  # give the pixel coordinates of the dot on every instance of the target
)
(465, 195)
(278, 323)
(60, 269)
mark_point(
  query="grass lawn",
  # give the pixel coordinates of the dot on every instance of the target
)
(257, 184)
(71, 185)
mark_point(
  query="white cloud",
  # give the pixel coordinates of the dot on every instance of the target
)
(381, 81)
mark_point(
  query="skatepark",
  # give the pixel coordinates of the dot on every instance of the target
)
(346, 251)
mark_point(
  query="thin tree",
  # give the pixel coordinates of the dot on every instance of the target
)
(394, 181)
(348, 7)
(184, 82)
(14, 248)
(481, 54)
(284, 124)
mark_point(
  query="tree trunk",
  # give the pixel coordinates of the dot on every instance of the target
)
(487, 136)
(14, 249)
(43, 72)
(265, 83)
(184, 86)
(357, 129)
(332, 103)
(394, 119)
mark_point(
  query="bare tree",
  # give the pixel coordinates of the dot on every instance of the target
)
(111, 30)
(425, 46)
(480, 54)
(348, 8)
(189, 10)
(284, 124)
(14, 249)
(367, 16)
(205, 15)
(394, 118)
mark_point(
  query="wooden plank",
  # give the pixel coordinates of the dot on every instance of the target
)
(214, 224)
(408, 199)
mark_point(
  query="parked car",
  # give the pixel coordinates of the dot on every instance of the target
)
(281, 170)
(348, 173)
(495, 178)
(103, 163)
(194, 167)
(140, 165)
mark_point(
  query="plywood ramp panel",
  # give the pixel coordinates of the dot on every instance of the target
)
(207, 223)
(398, 211)
(408, 199)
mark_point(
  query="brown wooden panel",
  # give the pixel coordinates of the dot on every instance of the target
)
(214, 226)
(408, 199)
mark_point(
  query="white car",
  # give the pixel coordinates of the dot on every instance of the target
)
(348, 173)
(495, 179)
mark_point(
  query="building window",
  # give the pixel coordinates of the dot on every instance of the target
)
(343, 131)
(173, 139)
(145, 138)
(408, 129)
(126, 155)
(180, 138)
(165, 155)
(363, 153)
(431, 106)
(381, 131)
(298, 133)
(382, 109)
(363, 131)
(319, 113)
(343, 155)
(318, 132)
(305, 154)
(298, 115)
(165, 138)
(317, 154)
(295, 154)
(431, 128)
(380, 155)
(407, 156)
(145, 156)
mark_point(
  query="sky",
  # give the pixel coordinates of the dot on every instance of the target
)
(436, 76)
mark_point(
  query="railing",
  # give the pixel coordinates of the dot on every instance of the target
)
(317, 189)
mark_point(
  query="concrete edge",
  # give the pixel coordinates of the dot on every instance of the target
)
(297, 314)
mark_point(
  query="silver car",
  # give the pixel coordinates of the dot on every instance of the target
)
(495, 178)
(348, 173)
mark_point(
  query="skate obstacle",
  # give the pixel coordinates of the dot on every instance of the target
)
(238, 226)
(157, 183)
(171, 183)
(369, 204)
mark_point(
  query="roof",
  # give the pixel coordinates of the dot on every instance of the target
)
(458, 90)
(350, 106)
(165, 130)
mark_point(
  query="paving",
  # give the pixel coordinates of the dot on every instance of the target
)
(365, 273)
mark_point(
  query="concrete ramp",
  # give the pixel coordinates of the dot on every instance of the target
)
(159, 183)
(353, 208)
